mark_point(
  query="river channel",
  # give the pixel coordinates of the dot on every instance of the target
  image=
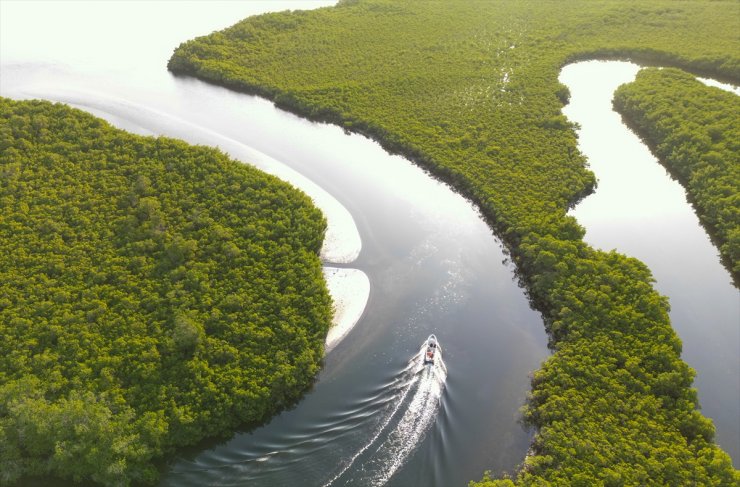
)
(640, 211)
(433, 265)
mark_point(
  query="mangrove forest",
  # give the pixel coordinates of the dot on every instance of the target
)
(694, 132)
(469, 91)
(152, 294)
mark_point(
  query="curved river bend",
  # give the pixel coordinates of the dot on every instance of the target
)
(374, 417)
(433, 265)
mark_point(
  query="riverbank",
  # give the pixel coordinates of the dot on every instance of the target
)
(342, 243)
(690, 128)
(477, 102)
(142, 279)
(350, 290)
(640, 211)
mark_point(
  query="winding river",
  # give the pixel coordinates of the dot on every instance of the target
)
(432, 265)
(640, 211)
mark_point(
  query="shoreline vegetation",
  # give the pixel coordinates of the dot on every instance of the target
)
(469, 91)
(149, 296)
(693, 131)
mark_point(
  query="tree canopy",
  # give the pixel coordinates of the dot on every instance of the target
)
(694, 131)
(469, 90)
(152, 294)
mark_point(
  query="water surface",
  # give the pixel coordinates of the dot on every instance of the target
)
(432, 263)
(640, 211)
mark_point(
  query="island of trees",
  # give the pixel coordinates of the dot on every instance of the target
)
(469, 90)
(694, 131)
(152, 294)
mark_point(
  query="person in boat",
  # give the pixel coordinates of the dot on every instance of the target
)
(431, 347)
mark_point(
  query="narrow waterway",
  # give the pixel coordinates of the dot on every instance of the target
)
(640, 211)
(432, 264)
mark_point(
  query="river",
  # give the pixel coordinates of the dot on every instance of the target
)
(432, 263)
(640, 211)
(433, 266)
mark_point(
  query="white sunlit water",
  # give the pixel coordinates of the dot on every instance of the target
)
(723, 86)
(433, 263)
(640, 211)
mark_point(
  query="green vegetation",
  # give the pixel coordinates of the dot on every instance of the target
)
(149, 296)
(469, 90)
(694, 131)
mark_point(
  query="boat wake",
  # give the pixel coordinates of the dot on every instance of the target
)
(416, 406)
(369, 439)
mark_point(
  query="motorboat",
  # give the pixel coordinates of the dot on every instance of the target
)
(432, 351)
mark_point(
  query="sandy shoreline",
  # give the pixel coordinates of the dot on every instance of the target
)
(350, 290)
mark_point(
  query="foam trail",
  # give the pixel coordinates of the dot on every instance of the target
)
(257, 462)
(397, 438)
(404, 390)
(413, 426)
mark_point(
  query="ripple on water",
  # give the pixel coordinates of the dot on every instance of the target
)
(395, 414)
(405, 426)
(639, 210)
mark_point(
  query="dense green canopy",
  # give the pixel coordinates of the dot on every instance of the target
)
(469, 90)
(694, 130)
(151, 294)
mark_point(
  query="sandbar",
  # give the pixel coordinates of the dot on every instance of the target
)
(350, 290)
